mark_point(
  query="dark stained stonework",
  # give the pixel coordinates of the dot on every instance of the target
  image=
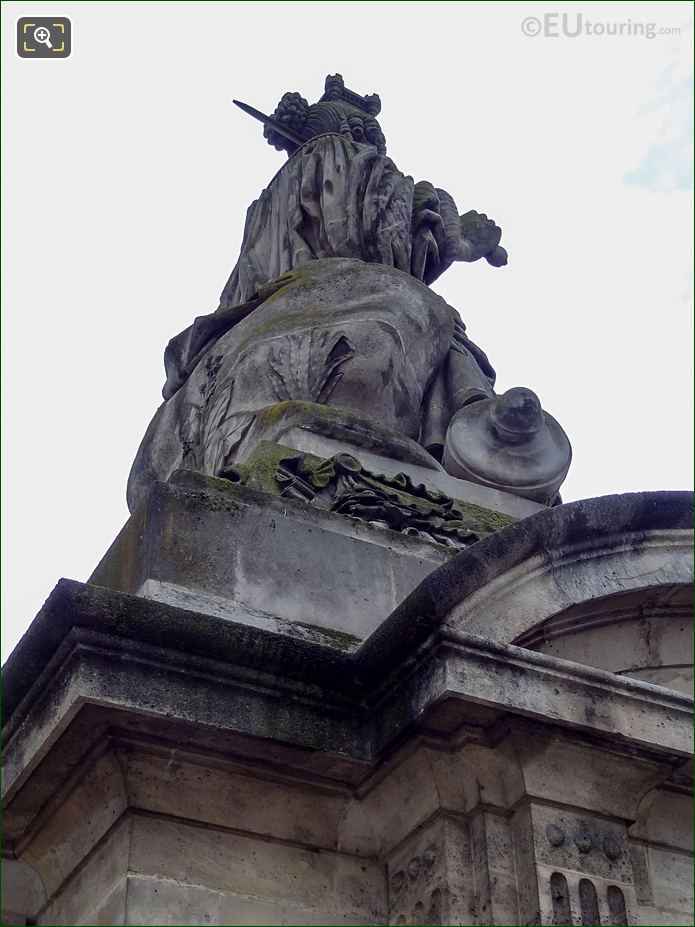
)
(587, 524)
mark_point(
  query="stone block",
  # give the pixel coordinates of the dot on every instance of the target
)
(225, 861)
(94, 883)
(78, 823)
(220, 794)
(208, 545)
(671, 876)
(111, 911)
(22, 891)
(167, 901)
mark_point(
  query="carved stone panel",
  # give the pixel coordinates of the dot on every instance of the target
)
(431, 876)
(582, 866)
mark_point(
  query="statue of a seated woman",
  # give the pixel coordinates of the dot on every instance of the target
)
(329, 306)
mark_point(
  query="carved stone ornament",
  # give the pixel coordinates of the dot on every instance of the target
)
(430, 855)
(511, 443)
(611, 847)
(343, 485)
(583, 842)
(555, 835)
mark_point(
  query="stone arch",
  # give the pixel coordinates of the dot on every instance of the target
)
(584, 552)
(644, 633)
(510, 583)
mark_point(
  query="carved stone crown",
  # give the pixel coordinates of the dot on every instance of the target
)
(335, 89)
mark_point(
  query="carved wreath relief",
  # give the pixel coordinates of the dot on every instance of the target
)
(344, 486)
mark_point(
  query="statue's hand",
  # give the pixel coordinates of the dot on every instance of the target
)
(480, 237)
(497, 257)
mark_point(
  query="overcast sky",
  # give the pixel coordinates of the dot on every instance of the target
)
(127, 174)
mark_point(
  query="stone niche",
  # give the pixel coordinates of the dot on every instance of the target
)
(494, 735)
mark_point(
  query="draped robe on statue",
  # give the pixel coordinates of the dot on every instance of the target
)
(326, 306)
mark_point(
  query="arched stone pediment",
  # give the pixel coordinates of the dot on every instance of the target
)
(593, 551)
(644, 633)
(592, 557)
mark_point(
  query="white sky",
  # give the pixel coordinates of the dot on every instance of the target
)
(127, 174)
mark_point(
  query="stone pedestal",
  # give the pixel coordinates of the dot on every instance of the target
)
(257, 712)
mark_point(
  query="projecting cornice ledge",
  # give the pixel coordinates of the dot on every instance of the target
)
(151, 664)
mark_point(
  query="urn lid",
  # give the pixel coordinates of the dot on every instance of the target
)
(509, 443)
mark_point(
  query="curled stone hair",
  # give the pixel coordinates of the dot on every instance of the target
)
(339, 110)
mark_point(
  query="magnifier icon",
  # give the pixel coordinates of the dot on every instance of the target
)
(43, 36)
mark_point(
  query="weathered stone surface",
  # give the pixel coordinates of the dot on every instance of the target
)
(645, 633)
(421, 776)
(282, 697)
(225, 549)
(329, 305)
(342, 484)
(291, 432)
(22, 890)
(94, 803)
(365, 339)
(512, 581)
(95, 889)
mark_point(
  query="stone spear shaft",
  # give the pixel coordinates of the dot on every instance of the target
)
(275, 126)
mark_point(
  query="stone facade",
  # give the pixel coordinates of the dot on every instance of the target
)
(172, 766)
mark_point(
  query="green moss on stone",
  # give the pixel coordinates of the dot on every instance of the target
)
(481, 520)
(338, 639)
(262, 465)
(262, 468)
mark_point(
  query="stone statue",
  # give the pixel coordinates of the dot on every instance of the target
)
(327, 323)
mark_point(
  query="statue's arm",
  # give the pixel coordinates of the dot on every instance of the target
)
(432, 242)
(440, 236)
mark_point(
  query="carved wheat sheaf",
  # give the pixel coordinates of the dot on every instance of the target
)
(306, 366)
(222, 430)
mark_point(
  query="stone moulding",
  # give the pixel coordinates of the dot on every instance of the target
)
(589, 529)
(365, 714)
(205, 544)
(478, 591)
(425, 622)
